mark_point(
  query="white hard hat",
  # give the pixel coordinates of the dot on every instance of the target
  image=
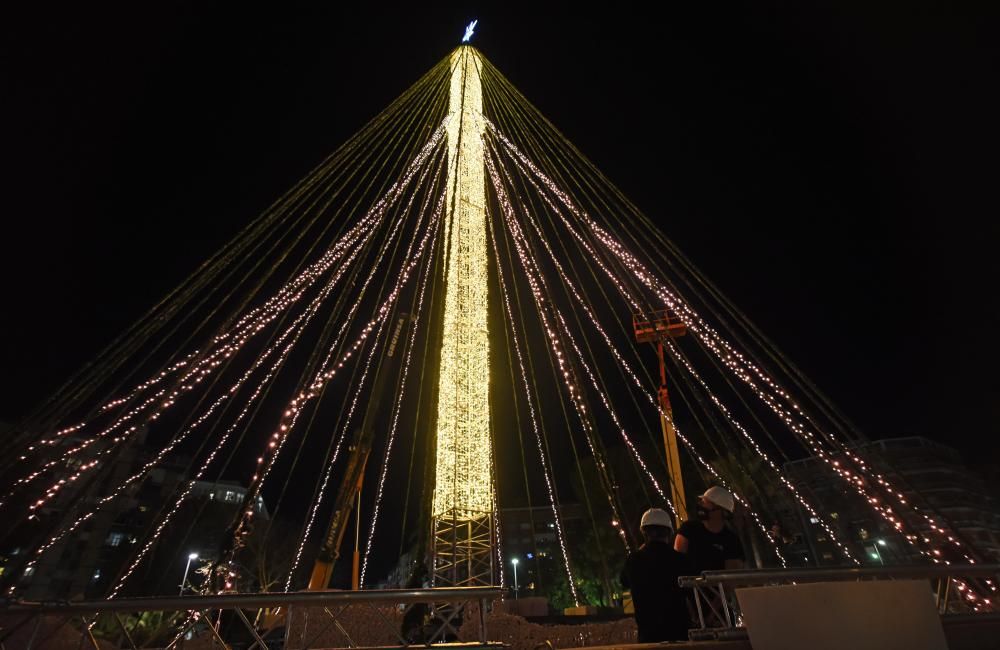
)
(720, 496)
(656, 517)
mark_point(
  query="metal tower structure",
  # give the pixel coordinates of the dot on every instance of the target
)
(462, 512)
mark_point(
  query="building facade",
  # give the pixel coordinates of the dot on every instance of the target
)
(930, 475)
(87, 563)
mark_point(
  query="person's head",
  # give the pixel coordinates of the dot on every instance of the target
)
(656, 525)
(715, 503)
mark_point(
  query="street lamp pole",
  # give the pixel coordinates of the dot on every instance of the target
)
(514, 561)
(191, 556)
(878, 553)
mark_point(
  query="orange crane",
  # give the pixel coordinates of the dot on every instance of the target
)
(656, 327)
(349, 495)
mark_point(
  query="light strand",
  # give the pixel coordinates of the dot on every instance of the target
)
(208, 461)
(346, 426)
(736, 362)
(298, 325)
(398, 400)
(534, 426)
(529, 264)
(245, 328)
(55, 487)
(690, 448)
(767, 459)
(322, 377)
(708, 335)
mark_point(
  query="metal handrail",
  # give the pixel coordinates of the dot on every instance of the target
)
(251, 601)
(718, 617)
(449, 599)
(758, 576)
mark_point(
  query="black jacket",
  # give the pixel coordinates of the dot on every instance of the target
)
(660, 609)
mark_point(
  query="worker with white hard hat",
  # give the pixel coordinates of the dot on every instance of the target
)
(656, 517)
(651, 573)
(710, 543)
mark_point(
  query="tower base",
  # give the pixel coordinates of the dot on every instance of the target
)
(462, 550)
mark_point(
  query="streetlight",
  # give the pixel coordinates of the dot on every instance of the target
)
(191, 556)
(514, 561)
(877, 555)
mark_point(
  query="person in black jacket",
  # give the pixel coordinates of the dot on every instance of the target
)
(710, 543)
(651, 573)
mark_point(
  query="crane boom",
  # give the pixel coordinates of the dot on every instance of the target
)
(354, 475)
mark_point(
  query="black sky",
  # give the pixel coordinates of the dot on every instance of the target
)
(832, 168)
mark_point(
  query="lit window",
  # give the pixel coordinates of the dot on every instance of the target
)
(813, 520)
(114, 539)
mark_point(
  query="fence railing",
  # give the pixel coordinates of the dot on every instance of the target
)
(445, 611)
(296, 616)
(718, 613)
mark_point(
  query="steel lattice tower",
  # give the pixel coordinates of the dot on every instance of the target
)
(463, 490)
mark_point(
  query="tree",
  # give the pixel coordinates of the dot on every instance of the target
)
(751, 477)
(269, 553)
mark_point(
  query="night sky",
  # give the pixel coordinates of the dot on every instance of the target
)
(833, 170)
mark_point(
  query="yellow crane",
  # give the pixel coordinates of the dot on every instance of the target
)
(656, 327)
(349, 495)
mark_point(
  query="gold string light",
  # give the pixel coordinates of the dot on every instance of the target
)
(463, 484)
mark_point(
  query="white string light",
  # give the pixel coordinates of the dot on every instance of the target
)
(245, 329)
(323, 375)
(690, 448)
(395, 417)
(202, 369)
(250, 402)
(345, 428)
(530, 265)
(298, 325)
(55, 487)
(781, 477)
(636, 454)
(534, 426)
(252, 495)
(737, 363)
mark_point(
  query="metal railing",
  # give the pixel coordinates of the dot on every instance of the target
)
(718, 611)
(446, 607)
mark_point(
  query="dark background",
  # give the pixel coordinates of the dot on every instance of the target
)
(832, 168)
